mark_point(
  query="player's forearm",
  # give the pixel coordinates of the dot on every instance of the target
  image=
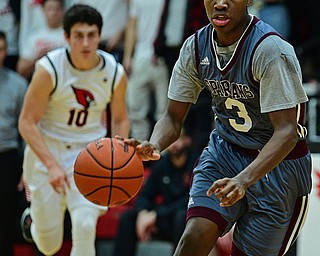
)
(270, 156)
(165, 133)
(32, 136)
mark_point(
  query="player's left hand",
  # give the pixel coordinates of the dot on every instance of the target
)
(228, 190)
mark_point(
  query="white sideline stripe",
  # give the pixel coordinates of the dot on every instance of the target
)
(300, 220)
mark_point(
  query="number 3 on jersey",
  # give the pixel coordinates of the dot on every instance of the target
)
(242, 113)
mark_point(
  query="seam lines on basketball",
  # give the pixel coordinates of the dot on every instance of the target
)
(97, 189)
(104, 177)
(112, 168)
(112, 164)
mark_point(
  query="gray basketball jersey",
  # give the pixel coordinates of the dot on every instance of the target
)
(242, 91)
(236, 94)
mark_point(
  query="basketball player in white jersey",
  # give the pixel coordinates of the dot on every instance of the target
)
(62, 112)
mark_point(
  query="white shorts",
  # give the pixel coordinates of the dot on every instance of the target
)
(36, 176)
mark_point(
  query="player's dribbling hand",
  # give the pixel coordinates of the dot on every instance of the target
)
(228, 190)
(145, 149)
(58, 179)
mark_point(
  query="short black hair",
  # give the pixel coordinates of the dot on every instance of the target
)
(81, 13)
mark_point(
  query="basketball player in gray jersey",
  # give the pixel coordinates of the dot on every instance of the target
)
(255, 173)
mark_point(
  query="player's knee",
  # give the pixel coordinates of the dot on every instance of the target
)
(84, 221)
(199, 237)
(87, 225)
(49, 250)
(187, 238)
(190, 245)
(48, 242)
(185, 244)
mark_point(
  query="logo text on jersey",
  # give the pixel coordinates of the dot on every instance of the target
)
(229, 89)
(205, 61)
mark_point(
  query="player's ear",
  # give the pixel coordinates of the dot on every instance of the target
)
(249, 2)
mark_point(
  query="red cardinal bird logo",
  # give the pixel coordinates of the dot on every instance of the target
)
(84, 97)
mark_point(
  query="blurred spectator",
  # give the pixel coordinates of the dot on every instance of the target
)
(32, 19)
(197, 17)
(199, 121)
(171, 32)
(9, 20)
(305, 21)
(115, 18)
(43, 40)
(160, 209)
(305, 36)
(276, 13)
(180, 19)
(12, 91)
(148, 76)
(255, 7)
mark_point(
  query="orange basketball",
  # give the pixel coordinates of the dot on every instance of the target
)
(108, 172)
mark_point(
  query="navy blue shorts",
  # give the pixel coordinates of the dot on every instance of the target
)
(270, 216)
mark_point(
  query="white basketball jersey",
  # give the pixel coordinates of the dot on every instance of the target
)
(79, 98)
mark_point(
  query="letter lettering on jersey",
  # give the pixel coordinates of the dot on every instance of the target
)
(240, 92)
(236, 91)
(212, 86)
(225, 89)
(249, 94)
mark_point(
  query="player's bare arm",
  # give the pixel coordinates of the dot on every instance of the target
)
(130, 39)
(166, 131)
(35, 104)
(120, 121)
(230, 190)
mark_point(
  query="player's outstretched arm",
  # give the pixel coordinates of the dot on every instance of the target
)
(166, 131)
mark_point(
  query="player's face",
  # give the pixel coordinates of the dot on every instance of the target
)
(53, 11)
(228, 17)
(84, 40)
